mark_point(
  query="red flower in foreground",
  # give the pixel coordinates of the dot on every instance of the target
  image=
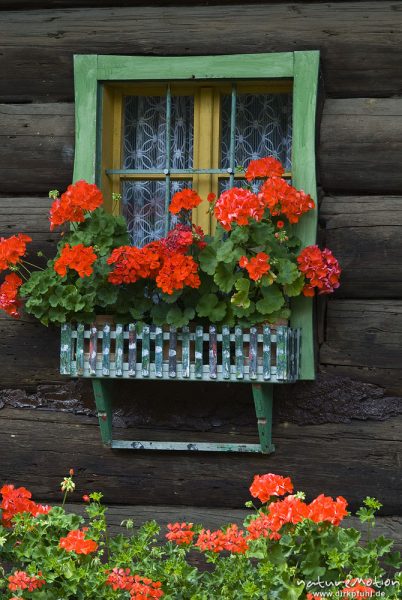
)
(213, 541)
(79, 258)
(266, 486)
(22, 581)
(140, 588)
(177, 272)
(76, 542)
(289, 510)
(9, 301)
(256, 266)
(232, 540)
(324, 508)
(16, 501)
(283, 199)
(181, 533)
(184, 200)
(178, 239)
(321, 268)
(356, 588)
(12, 249)
(264, 167)
(79, 197)
(238, 206)
(131, 263)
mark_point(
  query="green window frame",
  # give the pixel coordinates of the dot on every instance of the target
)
(92, 72)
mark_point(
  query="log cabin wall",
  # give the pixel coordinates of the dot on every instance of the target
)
(360, 182)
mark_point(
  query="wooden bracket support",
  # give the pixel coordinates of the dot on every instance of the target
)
(263, 401)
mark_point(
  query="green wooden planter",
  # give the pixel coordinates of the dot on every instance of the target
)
(260, 356)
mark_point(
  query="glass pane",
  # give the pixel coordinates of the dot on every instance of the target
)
(224, 184)
(144, 209)
(263, 128)
(144, 143)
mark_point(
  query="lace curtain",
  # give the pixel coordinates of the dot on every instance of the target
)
(263, 128)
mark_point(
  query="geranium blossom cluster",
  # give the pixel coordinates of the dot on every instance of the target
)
(21, 581)
(16, 501)
(139, 588)
(75, 542)
(239, 206)
(80, 258)
(184, 200)
(180, 533)
(321, 268)
(257, 266)
(164, 261)
(291, 509)
(9, 301)
(281, 198)
(12, 250)
(232, 539)
(79, 198)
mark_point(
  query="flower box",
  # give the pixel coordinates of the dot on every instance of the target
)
(139, 351)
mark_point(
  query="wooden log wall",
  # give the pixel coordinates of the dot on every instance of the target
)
(360, 146)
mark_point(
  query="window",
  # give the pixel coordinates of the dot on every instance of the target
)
(147, 126)
(178, 135)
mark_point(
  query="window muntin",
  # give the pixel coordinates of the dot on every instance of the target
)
(214, 127)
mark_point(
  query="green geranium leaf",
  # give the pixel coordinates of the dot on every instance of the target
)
(272, 300)
(178, 317)
(208, 260)
(287, 271)
(225, 252)
(158, 313)
(294, 288)
(206, 304)
(261, 233)
(241, 297)
(239, 235)
(225, 278)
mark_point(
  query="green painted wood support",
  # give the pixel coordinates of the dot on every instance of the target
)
(263, 401)
(103, 401)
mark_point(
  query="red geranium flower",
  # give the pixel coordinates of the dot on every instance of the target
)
(20, 580)
(266, 486)
(212, 541)
(16, 501)
(177, 272)
(76, 542)
(9, 301)
(264, 167)
(79, 197)
(282, 198)
(256, 266)
(12, 249)
(324, 508)
(181, 533)
(79, 258)
(184, 200)
(321, 269)
(140, 588)
(178, 239)
(131, 263)
(238, 206)
(289, 510)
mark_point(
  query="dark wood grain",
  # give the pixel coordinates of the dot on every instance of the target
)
(40, 448)
(361, 142)
(360, 42)
(363, 340)
(364, 233)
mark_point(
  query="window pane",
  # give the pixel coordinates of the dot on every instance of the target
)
(263, 128)
(144, 209)
(144, 144)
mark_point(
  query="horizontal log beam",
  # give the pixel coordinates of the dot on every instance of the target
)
(363, 341)
(364, 233)
(360, 42)
(37, 146)
(30, 456)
